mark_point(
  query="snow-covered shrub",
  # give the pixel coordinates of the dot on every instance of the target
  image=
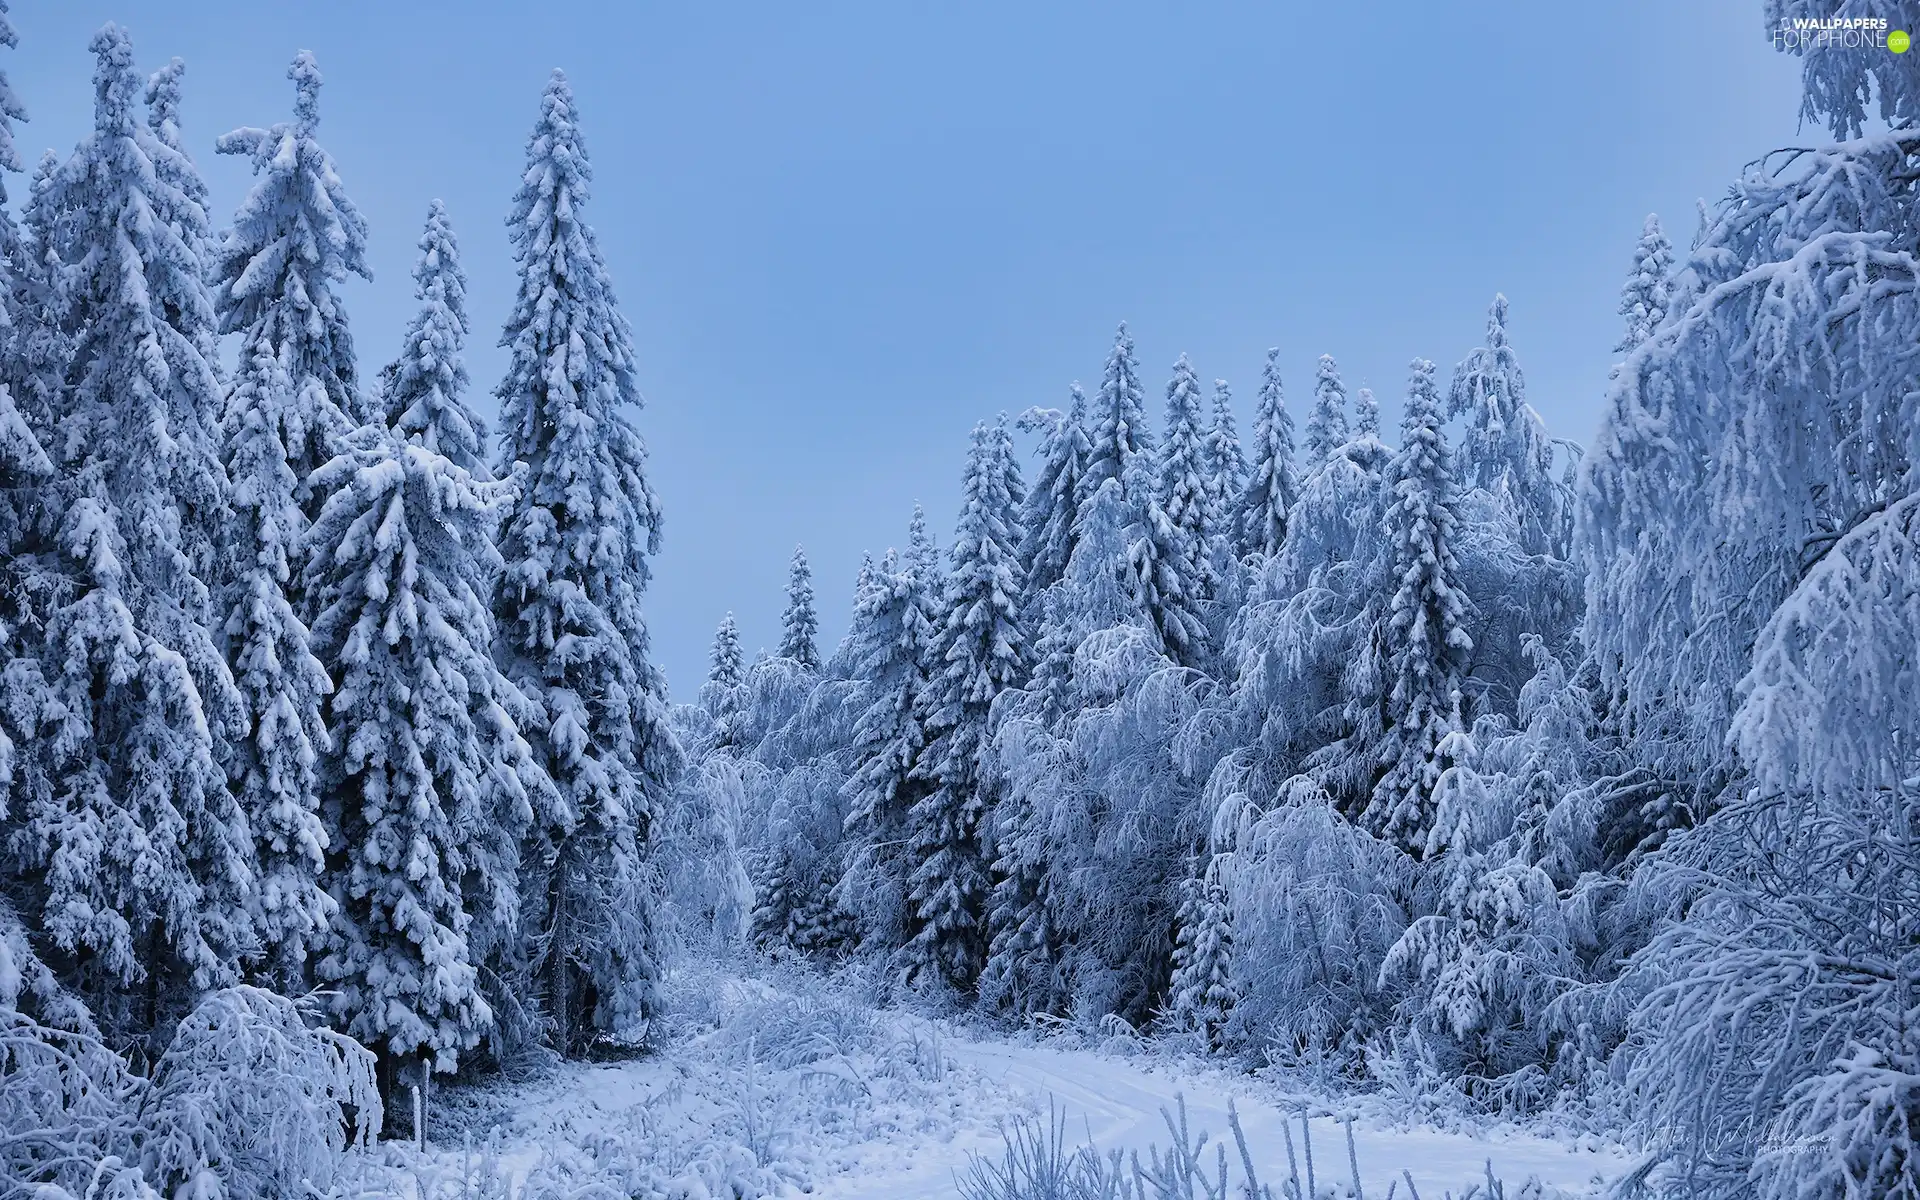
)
(67, 1107)
(1317, 905)
(248, 1100)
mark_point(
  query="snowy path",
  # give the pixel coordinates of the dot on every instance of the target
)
(1118, 1101)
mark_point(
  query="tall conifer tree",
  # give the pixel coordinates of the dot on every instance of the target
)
(276, 277)
(147, 858)
(572, 636)
(1271, 488)
(979, 651)
(799, 626)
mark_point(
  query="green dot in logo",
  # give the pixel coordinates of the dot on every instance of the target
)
(1898, 41)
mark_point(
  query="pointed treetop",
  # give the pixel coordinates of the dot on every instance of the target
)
(163, 102)
(556, 140)
(116, 88)
(1648, 291)
(1423, 400)
(1327, 424)
(1366, 413)
(725, 672)
(305, 74)
(919, 541)
(425, 385)
(799, 624)
(1183, 470)
(1262, 519)
(1118, 432)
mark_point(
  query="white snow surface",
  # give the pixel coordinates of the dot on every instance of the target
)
(890, 1105)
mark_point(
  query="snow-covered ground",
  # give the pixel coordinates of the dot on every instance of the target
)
(1117, 1102)
(811, 1093)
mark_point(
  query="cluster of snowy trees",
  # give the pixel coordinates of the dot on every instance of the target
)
(1447, 759)
(1461, 762)
(302, 685)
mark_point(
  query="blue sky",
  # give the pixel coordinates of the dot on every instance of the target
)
(843, 232)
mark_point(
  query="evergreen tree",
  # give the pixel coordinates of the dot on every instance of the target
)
(1047, 519)
(1421, 634)
(1271, 490)
(1226, 465)
(725, 672)
(422, 389)
(1506, 443)
(721, 694)
(431, 780)
(1166, 582)
(1118, 433)
(979, 652)
(1647, 293)
(146, 857)
(1201, 989)
(575, 544)
(34, 348)
(798, 625)
(891, 654)
(276, 275)
(1327, 426)
(281, 683)
(1183, 487)
(1366, 414)
(1020, 973)
(11, 109)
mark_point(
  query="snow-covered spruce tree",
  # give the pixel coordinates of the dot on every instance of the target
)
(423, 394)
(1183, 484)
(1021, 974)
(1506, 451)
(1162, 569)
(1260, 520)
(979, 651)
(1327, 424)
(721, 694)
(144, 859)
(429, 775)
(1184, 462)
(1645, 296)
(1366, 414)
(1117, 433)
(799, 626)
(1047, 519)
(1226, 465)
(1200, 994)
(1420, 633)
(422, 390)
(1499, 948)
(34, 348)
(891, 657)
(23, 460)
(282, 684)
(11, 110)
(567, 604)
(276, 277)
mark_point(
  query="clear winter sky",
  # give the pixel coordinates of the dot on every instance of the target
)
(843, 232)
